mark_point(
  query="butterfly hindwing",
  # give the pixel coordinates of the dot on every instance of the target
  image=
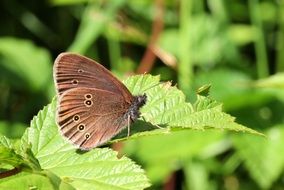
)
(90, 117)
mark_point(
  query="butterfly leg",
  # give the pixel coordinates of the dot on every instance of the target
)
(128, 126)
(156, 125)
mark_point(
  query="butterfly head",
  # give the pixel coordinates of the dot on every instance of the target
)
(137, 103)
(140, 100)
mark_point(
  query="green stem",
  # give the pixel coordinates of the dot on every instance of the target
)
(92, 24)
(280, 39)
(260, 48)
(199, 6)
(114, 54)
(185, 66)
(219, 10)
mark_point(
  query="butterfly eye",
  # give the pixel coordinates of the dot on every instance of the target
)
(80, 71)
(81, 127)
(88, 103)
(76, 118)
(88, 96)
(75, 82)
(87, 135)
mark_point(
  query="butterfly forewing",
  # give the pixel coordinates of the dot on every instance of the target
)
(72, 71)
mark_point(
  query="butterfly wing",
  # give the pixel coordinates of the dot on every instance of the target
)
(92, 102)
(90, 117)
(73, 70)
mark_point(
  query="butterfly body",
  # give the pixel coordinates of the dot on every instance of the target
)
(93, 105)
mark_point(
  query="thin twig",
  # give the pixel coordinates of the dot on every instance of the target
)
(149, 57)
(8, 173)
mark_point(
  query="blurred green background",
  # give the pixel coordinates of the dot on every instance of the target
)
(236, 46)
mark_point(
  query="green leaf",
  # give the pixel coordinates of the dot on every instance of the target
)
(274, 81)
(97, 169)
(25, 180)
(100, 168)
(242, 34)
(8, 156)
(5, 142)
(166, 106)
(203, 90)
(15, 159)
(17, 156)
(12, 162)
(273, 84)
(30, 63)
(262, 157)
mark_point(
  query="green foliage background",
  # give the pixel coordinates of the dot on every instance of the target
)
(236, 46)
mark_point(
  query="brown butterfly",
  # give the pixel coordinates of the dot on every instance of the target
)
(93, 105)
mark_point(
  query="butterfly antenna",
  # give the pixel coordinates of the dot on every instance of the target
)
(154, 86)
